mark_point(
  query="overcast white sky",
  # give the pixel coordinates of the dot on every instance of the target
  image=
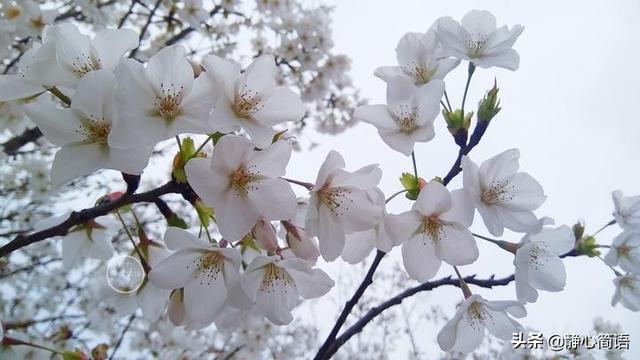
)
(570, 108)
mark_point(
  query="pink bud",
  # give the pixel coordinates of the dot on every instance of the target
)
(301, 244)
(266, 236)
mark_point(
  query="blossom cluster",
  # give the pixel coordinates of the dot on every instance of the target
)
(255, 255)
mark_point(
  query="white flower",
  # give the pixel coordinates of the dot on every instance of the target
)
(250, 100)
(420, 59)
(91, 239)
(152, 300)
(83, 132)
(66, 55)
(503, 196)
(627, 211)
(243, 184)
(479, 40)
(627, 291)
(408, 116)
(625, 250)
(339, 204)
(434, 230)
(358, 245)
(27, 16)
(160, 100)
(538, 265)
(466, 329)
(275, 284)
(206, 273)
(193, 13)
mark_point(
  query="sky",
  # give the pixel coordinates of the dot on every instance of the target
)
(569, 108)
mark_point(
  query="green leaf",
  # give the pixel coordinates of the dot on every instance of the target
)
(411, 184)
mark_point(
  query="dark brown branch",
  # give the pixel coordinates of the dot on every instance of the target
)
(368, 280)
(188, 30)
(27, 268)
(14, 144)
(143, 32)
(81, 217)
(122, 334)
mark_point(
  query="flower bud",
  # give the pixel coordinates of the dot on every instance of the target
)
(411, 184)
(100, 352)
(458, 125)
(587, 246)
(301, 244)
(489, 106)
(265, 235)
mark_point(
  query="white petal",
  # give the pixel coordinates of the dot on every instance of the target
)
(58, 126)
(259, 76)
(175, 271)
(14, 87)
(402, 227)
(376, 115)
(283, 105)
(332, 162)
(434, 199)
(358, 246)
(331, 236)
(558, 241)
(274, 199)
(205, 296)
(178, 239)
(479, 22)
(169, 68)
(112, 44)
(419, 258)
(152, 300)
(461, 209)
(75, 160)
(547, 272)
(456, 246)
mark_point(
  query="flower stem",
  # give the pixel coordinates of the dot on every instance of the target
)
(201, 146)
(135, 247)
(394, 195)
(618, 273)
(57, 93)
(8, 341)
(471, 69)
(604, 227)
(463, 285)
(506, 245)
(306, 185)
(415, 167)
(446, 98)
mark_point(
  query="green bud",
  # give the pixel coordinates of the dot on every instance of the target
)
(411, 184)
(587, 246)
(456, 122)
(489, 106)
(203, 212)
(578, 229)
(177, 221)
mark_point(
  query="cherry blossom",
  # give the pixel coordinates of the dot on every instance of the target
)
(503, 196)
(193, 12)
(250, 100)
(358, 245)
(537, 261)
(420, 59)
(627, 291)
(243, 184)
(83, 131)
(627, 211)
(408, 116)
(478, 40)
(156, 104)
(466, 329)
(65, 56)
(434, 230)
(205, 271)
(275, 284)
(339, 204)
(625, 251)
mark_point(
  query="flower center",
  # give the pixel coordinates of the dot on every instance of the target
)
(274, 278)
(334, 198)
(478, 315)
(246, 103)
(95, 131)
(241, 180)
(12, 12)
(208, 267)
(627, 282)
(406, 118)
(168, 101)
(85, 63)
(497, 192)
(623, 250)
(420, 72)
(476, 44)
(37, 23)
(432, 229)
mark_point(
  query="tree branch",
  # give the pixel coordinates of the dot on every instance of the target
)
(81, 217)
(14, 144)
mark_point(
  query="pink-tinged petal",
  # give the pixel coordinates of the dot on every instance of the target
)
(175, 271)
(283, 105)
(434, 199)
(112, 44)
(419, 258)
